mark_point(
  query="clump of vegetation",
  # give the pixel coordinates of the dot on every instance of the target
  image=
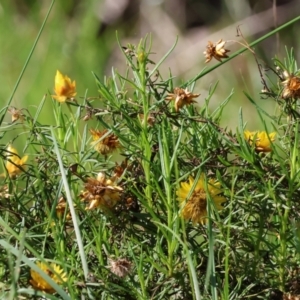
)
(140, 193)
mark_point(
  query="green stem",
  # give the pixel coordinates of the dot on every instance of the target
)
(166, 173)
(227, 249)
(75, 129)
(294, 155)
(142, 59)
(283, 253)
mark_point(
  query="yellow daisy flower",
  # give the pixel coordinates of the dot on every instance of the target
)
(14, 162)
(64, 88)
(39, 283)
(195, 207)
(262, 140)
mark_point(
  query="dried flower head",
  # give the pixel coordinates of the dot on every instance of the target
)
(194, 206)
(16, 114)
(216, 50)
(121, 267)
(119, 169)
(262, 140)
(101, 192)
(291, 86)
(289, 296)
(14, 164)
(88, 116)
(4, 192)
(103, 142)
(150, 119)
(61, 207)
(64, 88)
(131, 204)
(181, 97)
(39, 283)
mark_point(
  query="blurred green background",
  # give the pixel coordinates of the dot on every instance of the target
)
(80, 38)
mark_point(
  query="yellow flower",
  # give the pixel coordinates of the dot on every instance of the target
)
(101, 192)
(217, 51)
(104, 145)
(64, 88)
(291, 86)
(40, 283)
(181, 97)
(262, 140)
(195, 207)
(14, 162)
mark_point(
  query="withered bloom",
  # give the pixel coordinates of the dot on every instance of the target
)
(289, 296)
(4, 192)
(181, 97)
(216, 50)
(104, 143)
(119, 169)
(291, 86)
(61, 208)
(87, 116)
(150, 119)
(16, 114)
(120, 267)
(101, 192)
